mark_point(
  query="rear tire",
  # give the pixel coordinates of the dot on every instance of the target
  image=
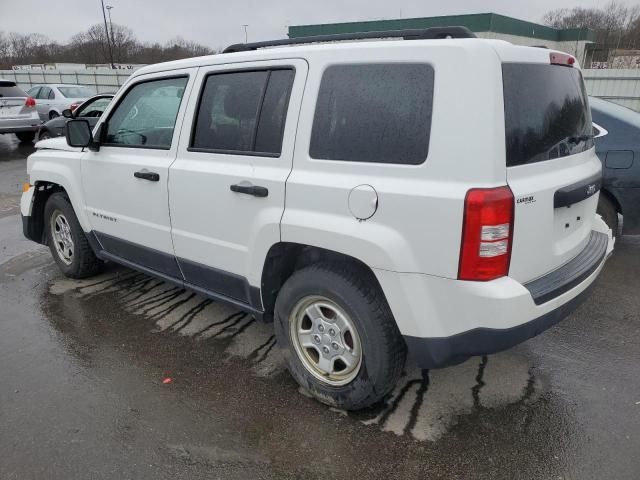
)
(609, 213)
(66, 239)
(364, 349)
(53, 114)
(26, 136)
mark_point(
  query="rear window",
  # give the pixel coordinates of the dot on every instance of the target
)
(9, 89)
(547, 114)
(378, 113)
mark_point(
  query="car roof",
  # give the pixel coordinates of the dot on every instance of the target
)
(59, 85)
(615, 111)
(505, 51)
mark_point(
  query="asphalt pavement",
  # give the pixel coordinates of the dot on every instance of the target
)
(125, 377)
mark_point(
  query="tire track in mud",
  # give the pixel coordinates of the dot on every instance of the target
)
(424, 404)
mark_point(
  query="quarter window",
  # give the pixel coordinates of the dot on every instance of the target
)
(243, 112)
(146, 116)
(378, 113)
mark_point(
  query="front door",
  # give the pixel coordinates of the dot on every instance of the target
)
(227, 185)
(125, 182)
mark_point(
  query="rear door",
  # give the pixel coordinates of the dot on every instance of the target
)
(227, 185)
(552, 167)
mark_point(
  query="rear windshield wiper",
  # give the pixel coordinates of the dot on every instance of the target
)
(579, 138)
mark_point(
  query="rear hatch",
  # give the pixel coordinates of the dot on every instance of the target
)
(552, 168)
(12, 102)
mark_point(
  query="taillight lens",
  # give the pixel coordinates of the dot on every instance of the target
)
(487, 234)
(30, 102)
(74, 106)
(556, 58)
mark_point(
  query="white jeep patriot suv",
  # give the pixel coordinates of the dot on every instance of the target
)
(418, 192)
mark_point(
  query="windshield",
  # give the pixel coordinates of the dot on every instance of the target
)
(546, 112)
(76, 92)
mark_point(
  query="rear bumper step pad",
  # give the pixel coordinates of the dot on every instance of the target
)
(572, 273)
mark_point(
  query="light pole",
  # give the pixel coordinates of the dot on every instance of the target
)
(106, 31)
(109, 7)
(245, 31)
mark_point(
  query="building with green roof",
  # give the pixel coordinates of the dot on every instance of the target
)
(485, 25)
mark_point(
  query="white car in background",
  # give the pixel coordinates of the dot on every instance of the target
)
(18, 113)
(52, 99)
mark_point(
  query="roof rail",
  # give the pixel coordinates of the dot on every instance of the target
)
(410, 34)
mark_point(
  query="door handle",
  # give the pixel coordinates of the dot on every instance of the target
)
(151, 176)
(254, 190)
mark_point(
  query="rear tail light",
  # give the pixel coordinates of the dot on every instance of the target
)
(487, 234)
(30, 102)
(561, 59)
(74, 106)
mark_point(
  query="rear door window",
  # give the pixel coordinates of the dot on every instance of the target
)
(243, 112)
(546, 110)
(379, 113)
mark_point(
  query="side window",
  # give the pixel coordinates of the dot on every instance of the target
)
(243, 112)
(146, 116)
(378, 113)
(51, 95)
(93, 108)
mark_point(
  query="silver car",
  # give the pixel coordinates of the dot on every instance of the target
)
(53, 98)
(18, 112)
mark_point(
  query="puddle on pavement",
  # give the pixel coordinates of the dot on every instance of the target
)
(424, 405)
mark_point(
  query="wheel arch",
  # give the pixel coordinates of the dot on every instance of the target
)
(613, 199)
(51, 169)
(285, 258)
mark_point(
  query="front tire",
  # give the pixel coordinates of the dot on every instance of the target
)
(66, 239)
(339, 338)
(44, 135)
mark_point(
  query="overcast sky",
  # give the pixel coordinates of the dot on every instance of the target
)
(218, 23)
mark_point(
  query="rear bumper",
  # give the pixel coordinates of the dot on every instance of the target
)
(442, 352)
(446, 321)
(20, 125)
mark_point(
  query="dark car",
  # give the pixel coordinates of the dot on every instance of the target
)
(91, 110)
(619, 151)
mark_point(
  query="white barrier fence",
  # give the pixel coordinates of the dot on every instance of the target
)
(103, 81)
(616, 85)
(619, 86)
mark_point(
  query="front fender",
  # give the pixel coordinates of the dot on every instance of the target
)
(63, 169)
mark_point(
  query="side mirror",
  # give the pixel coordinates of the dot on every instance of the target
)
(78, 133)
(66, 113)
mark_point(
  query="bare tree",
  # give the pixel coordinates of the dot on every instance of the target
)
(615, 24)
(91, 47)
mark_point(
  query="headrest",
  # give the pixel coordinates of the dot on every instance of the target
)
(241, 100)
